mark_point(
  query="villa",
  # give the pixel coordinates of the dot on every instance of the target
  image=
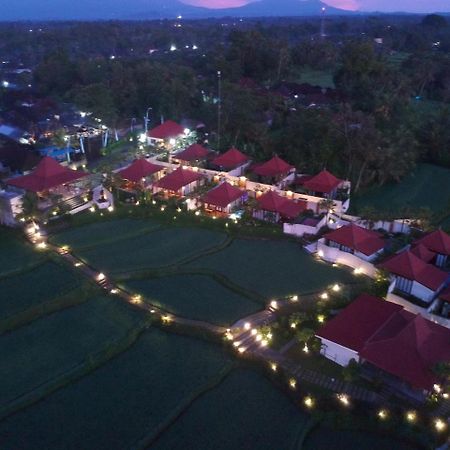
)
(141, 173)
(276, 171)
(232, 161)
(223, 199)
(194, 155)
(412, 276)
(352, 246)
(324, 184)
(178, 183)
(400, 347)
(272, 207)
(437, 242)
(166, 133)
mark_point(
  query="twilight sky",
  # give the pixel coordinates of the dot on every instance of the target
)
(363, 5)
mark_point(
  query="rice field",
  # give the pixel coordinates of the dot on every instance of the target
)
(156, 249)
(102, 232)
(195, 297)
(35, 287)
(48, 347)
(121, 402)
(244, 412)
(427, 187)
(272, 268)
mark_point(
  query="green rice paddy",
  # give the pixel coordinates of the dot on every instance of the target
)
(195, 297)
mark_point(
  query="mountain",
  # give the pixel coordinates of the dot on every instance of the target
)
(152, 9)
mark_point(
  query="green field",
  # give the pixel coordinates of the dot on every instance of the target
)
(244, 412)
(196, 297)
(272, 268)
(15, 254)
(121, 402)
(428, 186)
(102, 232)
(48, 347)
(324, 438)
(159, 248)
(33, 288)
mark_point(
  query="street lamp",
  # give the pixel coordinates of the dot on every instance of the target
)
(219, 107)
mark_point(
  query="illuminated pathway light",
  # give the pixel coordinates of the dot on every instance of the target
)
(293, 383)
(273, 366)
(101, 276)
(382, 414)
(247, 326)
(440, 425)
(274, 304)
(336, 288)
(411, 416)
(309, 402)
(344, 399)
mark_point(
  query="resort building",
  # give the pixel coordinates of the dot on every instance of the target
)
(276, 171)
(437, 242)
(194, 155)
(391, 343)
(272, 207)
(324, 184)
(223, 199)
(412, 276)
(353, 246)
(140, 174)
(232, 161)
(165, 134)
(178, 183)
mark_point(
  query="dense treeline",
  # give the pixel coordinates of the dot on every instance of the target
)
(391, 110)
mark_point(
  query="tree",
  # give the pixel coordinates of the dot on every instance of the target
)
(434, 21)
(351, 371)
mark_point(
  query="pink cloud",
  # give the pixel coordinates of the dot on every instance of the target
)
(217, 4)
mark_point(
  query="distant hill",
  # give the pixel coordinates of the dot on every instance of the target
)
(153, 9)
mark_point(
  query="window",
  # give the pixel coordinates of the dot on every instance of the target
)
(404, 285)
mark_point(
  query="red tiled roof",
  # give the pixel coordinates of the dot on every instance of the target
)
(408, 346)
(357, 238)
(324, 182)
(168, 129)
(438, 241)
(399, 342)
(358, 321)
(177, 179)
(140, 168)
(271, 201)
(411, 267)
(276, 166)
(48, 174)
(231, 159)
(193, 153)
(223, 195)
(423, 253)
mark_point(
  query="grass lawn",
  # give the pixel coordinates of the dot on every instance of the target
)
(273, 268)
(119, 403)
(48, 347)
(244, 412)
(428, 186)
(102, 232)
(156, 249)
(35, 287)
(325, 438)
(195, 297)
(15, 254)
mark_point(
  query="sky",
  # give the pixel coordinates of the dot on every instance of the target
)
(362, 5)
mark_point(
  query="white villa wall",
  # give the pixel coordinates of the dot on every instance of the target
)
(297, 229)
(337, 353)
(335, 255)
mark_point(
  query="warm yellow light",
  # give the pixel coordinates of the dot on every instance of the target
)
(77, 264)
(92, 209)
(305, 348)
(294, 298)
(344, 399)
(382, 414)
(264, 343)
(254, 332)
(110, 208)
(114, 291)
(293, 325)
(236, 344)
(269, 336)
(163, 208)
(101, 276)
(309, 402)
(153, 202)
(137, 299)
(321, 318)
(273, 366)
(274, 304)
(324, 296)
(437, 388)
(293, 383)
(166, 319)
(197, 213)
(358, 271)
(445, 395)
(440, 425)
(241, 349)
(411, 416)
(336, 288)
(247, 326)
(229, 335)
(320, 253)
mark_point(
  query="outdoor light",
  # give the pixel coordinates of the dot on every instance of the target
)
(258, 337)
(241, 349)
(178, 209)
(440, 425)
(269, 336)
(247, 325)
(194, 47)
(293, 383)
(324, 296)
(236, 344)
(229, 336)
(163, 208)
(197, 213)
(382, 414)
(274, 304)
(273, 366)
(172, 141)
(166, 319)
(411, 416)
(101, 276)
(309, 402)
(294, 298)
(153, 202)
(344, 399)
(264, 343)
(110, 208)
(77, 264)
(320, 253)
(293, 325)
(137, 299)
(254, 332)
(173, 48)
(336, 288)
(41, 245)
(114, 291)
(358, 270)
(92, 209)
(152, 311)
(305, 349)
(187, 131)
(320, 318)
(5, 84)
(437, 388)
